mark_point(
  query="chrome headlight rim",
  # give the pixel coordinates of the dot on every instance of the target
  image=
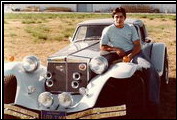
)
(75, 84)
(94, 66)
(30, 63)
(76, 76)
(46, 96)
(49, 83)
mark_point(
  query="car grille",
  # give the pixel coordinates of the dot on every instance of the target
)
(62, 77)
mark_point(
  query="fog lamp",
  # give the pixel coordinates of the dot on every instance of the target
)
(45, 99)
(65, 99)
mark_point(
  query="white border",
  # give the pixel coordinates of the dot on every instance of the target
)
(89, 1)
(2, 12)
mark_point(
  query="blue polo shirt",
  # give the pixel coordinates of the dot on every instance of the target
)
(119, 37)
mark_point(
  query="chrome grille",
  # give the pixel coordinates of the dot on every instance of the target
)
(62, 76)
(58, 71)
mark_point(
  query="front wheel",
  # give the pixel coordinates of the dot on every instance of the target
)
(128, 91)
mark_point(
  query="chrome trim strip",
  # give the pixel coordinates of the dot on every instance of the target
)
(19, 112)
(104, 112)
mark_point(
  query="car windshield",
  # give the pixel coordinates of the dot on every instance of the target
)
(89, 32)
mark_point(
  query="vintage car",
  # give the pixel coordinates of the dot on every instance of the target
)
(79, 83)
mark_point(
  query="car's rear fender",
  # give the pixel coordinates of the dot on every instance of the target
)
(158, 56)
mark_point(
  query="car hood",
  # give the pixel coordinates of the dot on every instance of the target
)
(86, 49)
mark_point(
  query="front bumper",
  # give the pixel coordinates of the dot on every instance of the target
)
(93, 113)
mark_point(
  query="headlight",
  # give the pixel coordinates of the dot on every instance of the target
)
(98, 64)
(45, 99)
(30, 63)
(65, 99)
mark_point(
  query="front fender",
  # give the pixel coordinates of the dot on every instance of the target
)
(10, 68)
(123, 70)
(119, 70)
(24, 81)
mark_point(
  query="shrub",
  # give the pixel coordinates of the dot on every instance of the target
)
(140, 9)
(38, 32)
(58, 9)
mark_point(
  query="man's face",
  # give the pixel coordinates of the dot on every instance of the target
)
(119, 19)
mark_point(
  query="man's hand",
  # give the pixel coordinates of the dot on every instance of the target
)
(136, 50)
(120, 52)
(126, 59)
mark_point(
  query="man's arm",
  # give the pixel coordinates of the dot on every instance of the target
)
(119, 51)
(107, 48)
(136, 50)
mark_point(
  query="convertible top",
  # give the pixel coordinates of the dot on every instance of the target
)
(109, 21)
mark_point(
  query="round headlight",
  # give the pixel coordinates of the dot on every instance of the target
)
(65, 99)
(45, 99)
(98, 64)
(30, 63)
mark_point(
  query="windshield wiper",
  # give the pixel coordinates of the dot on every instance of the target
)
(88, 39)
(93, 37)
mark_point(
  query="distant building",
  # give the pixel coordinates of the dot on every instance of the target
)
(163, 8)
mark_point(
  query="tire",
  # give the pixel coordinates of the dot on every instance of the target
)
(136, 97)
(123, 91)
(165, 77)
(10, 86)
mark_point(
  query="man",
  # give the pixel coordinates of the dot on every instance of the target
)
(121, 40)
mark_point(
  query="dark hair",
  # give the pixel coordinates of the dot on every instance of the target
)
(119, 9)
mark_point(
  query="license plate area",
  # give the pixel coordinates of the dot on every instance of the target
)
(53, 114)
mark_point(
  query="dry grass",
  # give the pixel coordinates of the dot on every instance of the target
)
(22, 43)
(164, 31)
(19, 43)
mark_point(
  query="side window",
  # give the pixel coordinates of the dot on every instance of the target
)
(142, 30)
(137, 30)
(81, 33)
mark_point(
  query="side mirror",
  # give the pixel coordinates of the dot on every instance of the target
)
(148, 39)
